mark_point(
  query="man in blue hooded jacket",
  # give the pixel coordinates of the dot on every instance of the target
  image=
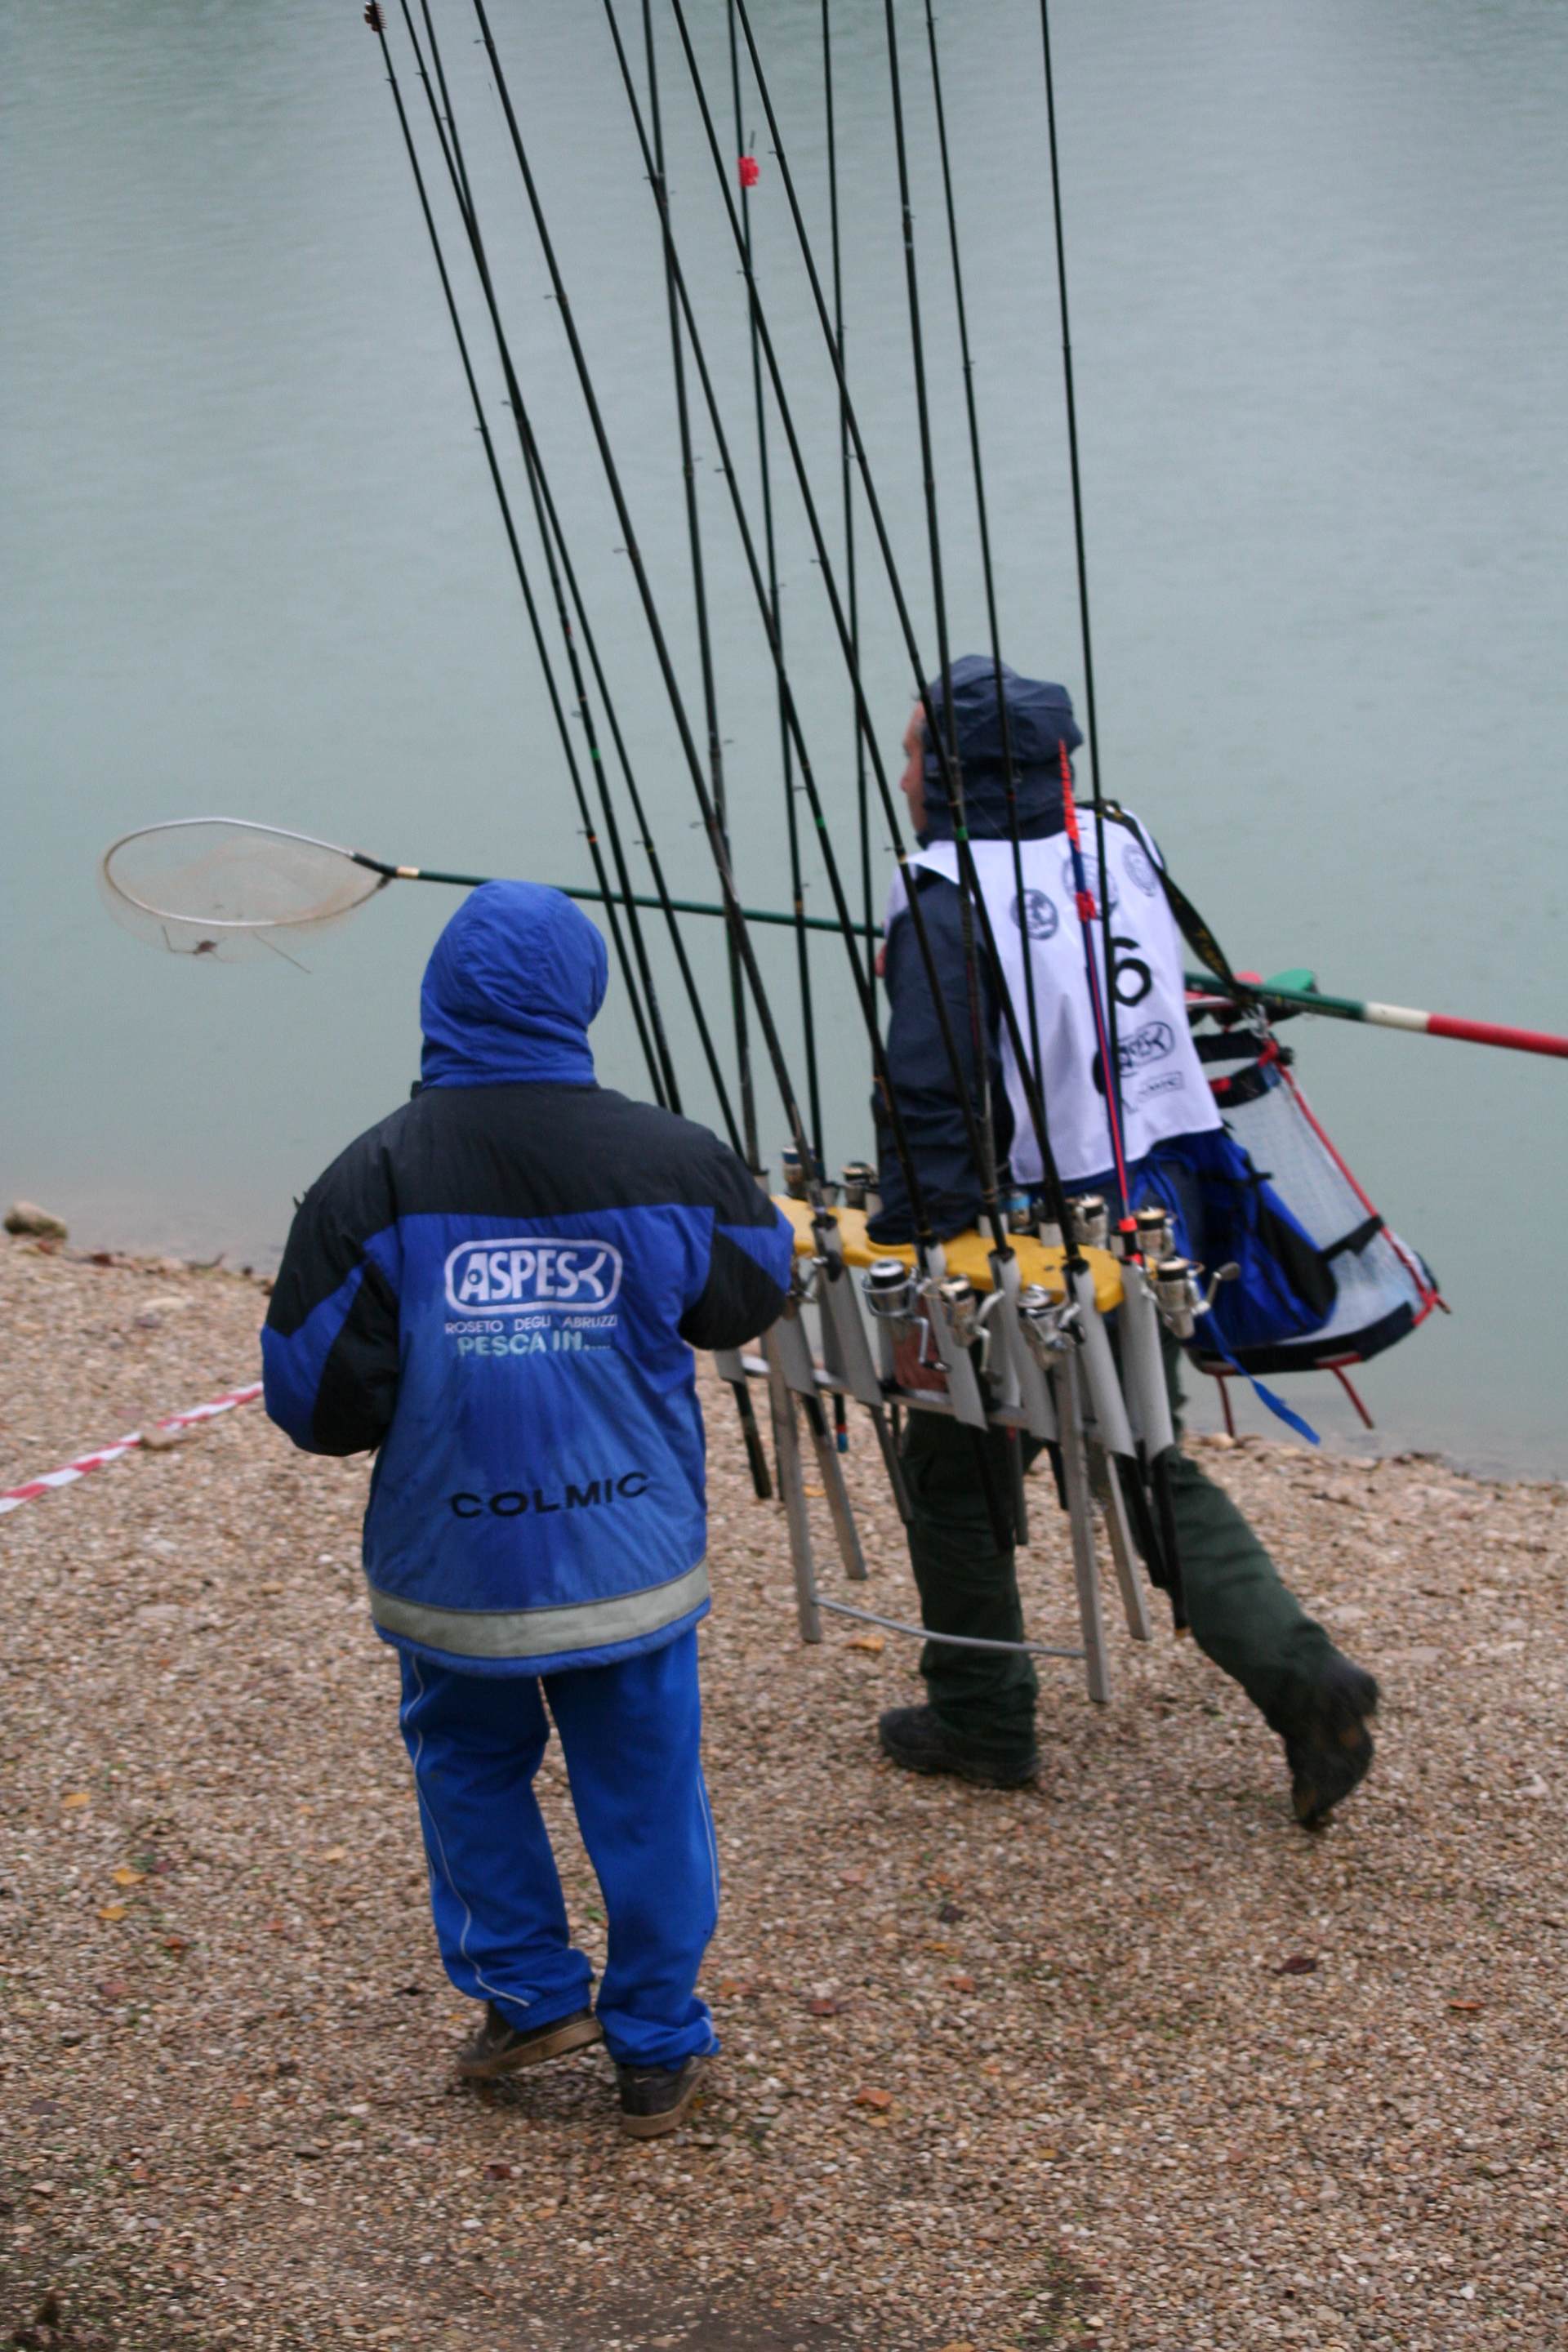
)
(498, 1289)
(979, 1719)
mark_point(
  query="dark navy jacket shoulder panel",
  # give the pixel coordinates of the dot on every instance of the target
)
(329, 1346)
(921, 1070)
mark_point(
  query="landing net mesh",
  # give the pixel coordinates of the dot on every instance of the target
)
(221, 887)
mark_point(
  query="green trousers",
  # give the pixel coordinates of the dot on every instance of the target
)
(1241, 1612)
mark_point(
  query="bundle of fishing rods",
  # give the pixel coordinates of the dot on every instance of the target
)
(1049, 1372)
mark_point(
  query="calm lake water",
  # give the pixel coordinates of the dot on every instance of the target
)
(253, 564)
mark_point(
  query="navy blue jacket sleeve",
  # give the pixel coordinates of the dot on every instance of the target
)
(329, 1346)
(922, 1077)
(748, 1275)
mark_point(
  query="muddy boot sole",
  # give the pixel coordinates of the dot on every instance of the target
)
(554, 2042)
(1335, 1754)
(1323, 1775)
(909, 1737)
(964, 1768)
(668, 2119)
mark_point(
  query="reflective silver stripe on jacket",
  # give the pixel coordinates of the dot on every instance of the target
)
(542, 1632)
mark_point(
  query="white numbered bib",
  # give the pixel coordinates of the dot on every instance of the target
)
(1164, 1090)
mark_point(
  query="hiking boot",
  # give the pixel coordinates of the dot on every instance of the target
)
(654, 2099)
(498, 2047)
(916, 1739)
(1330, 1751)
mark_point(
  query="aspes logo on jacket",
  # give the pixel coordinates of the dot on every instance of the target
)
(535, 1275)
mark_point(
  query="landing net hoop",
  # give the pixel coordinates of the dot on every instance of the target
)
(228, 888)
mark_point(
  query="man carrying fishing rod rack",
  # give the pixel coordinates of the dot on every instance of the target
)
(1112, 1383)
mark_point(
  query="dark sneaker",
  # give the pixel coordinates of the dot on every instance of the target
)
(654, 2099)
(915, 1739)
(1331, 1752)
(498, 2047)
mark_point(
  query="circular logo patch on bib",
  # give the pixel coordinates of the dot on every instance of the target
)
(1037, 915)
(1140, 869)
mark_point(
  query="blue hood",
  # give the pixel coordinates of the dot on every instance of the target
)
(1039, 721)
(510, 987)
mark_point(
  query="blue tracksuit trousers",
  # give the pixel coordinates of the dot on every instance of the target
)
(630, 1734)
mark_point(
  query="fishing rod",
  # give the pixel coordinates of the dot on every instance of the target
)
(1308, 998)
(987, 568)
(1009, 765)
(1050, 1174)
(844, 923)
(837, 1308)
(450, 142)
(557, 556)
(952, 1342)
(968, 883)
(1111, 1057)
(717, 845)
(375, 19)
(954, 1350)
(1076, 1268)
(770, 544)
(538, 490)
(549, 520)
(978, 1043)
(949, 1045)
(1157, 1528)
(700, 593)
(864, 718)
(846, 453)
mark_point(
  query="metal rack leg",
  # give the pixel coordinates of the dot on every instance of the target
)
(792, 1486)
(1113, 1510)
(837, 1494)
(1080, 1517)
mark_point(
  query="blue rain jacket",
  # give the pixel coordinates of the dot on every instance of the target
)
(500, 1287)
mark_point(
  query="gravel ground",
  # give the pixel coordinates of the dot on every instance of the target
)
(1127, 2060)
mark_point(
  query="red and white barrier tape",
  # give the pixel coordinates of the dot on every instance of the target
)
(14, 1497)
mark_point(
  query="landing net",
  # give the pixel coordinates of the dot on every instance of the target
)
(219, 887)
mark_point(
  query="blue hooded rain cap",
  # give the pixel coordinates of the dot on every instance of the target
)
(1039, 722)
(510, 987)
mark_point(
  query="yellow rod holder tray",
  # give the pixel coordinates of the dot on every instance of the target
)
(968, 1253)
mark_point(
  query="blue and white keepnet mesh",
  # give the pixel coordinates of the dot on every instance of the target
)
(1385, 1287)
